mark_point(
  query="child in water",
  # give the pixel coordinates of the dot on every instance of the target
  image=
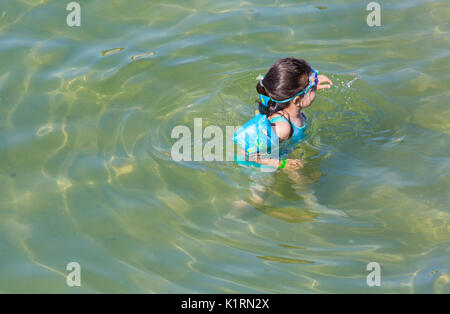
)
(289, 86)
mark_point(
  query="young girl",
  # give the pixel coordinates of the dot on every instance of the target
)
(288, 87)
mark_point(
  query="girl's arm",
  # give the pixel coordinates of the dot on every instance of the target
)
(290, 164)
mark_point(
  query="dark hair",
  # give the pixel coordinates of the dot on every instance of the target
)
(285, 79)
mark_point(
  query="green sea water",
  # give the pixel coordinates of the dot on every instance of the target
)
(86, 174)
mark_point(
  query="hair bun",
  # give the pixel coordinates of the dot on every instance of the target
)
(261, 89)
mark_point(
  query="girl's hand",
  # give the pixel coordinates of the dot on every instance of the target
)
(324, 80)
(293, 164)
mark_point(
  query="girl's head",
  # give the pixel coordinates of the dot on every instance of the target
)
(284, 80)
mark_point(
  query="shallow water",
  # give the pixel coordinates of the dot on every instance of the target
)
(86, 115)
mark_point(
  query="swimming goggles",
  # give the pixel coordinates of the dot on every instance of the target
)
(313, 81)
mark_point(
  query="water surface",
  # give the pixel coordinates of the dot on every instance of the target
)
(86, 115)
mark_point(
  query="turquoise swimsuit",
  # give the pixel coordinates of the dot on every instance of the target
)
(299, 132)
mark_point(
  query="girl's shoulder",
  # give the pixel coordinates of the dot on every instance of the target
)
(283, 130)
